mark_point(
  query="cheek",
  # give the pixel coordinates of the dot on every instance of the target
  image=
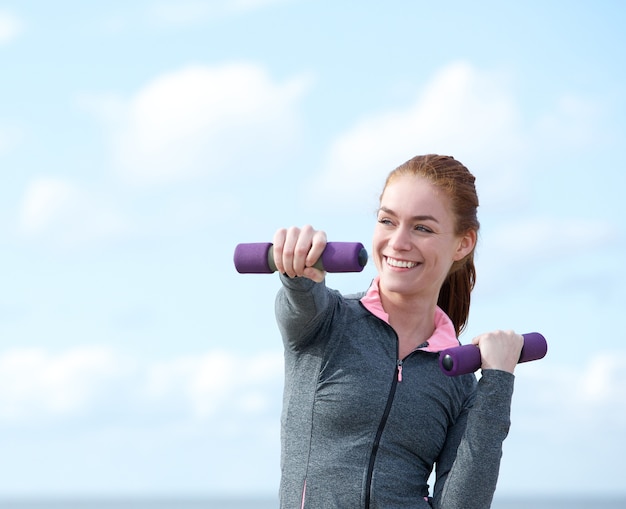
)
(447, 257)
(439, 254)
(377, 245)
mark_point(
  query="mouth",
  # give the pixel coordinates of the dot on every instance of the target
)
(400, 264)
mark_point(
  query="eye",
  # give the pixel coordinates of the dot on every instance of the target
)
(422, 229)
(385, 221)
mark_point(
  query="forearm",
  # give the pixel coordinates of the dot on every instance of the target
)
(472, 479)
(299, 303)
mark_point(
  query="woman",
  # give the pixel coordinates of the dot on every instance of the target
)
(367, 412)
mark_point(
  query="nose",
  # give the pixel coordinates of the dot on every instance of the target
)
(400, 240)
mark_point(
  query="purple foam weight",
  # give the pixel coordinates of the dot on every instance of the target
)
(460, 360)
(343, 257)
(258, 258)
(535, 347)
(466, 359)
(252, 258)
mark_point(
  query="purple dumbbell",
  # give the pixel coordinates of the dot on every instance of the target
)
(258, 258)
(466, 359)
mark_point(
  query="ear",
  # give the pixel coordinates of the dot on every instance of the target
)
(466, 244)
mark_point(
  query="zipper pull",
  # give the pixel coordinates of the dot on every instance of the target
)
(399, 370)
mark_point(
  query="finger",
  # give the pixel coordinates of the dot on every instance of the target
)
(314, 274)
(318, 244)
(278, 244)
(288, 255)
(302, 248)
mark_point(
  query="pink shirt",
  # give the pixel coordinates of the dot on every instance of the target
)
(444, 335)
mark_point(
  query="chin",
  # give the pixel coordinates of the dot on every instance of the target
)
(395, 283)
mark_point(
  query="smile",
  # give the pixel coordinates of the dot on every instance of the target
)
(401, 264)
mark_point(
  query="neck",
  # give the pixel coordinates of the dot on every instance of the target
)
(412, 319)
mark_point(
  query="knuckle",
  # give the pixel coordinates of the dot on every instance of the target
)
(301, 251)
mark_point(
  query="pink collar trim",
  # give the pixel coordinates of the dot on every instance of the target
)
(444, 335)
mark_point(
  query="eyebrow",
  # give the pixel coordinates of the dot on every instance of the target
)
(425, 217)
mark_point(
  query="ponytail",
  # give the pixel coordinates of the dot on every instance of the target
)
(455, 294)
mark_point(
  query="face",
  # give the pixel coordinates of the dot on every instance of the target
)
(414, 242)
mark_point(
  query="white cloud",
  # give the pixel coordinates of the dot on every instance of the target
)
(603, 382)
(183, 13)
(35, 383)
(9, 137)
(573, 413)
(214, 397)
(45, 199)
(574, 123)
(463, 112)
(203, 120)
(544, 237)
(546, 251)
(10, 27)
(38, 384)
(192, 12)
(209, 383)
(60, 210)
(592, 395)
(248, 5)
(471, 114)
(226, 388)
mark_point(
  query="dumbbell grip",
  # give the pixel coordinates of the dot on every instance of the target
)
(465, 359)
(258, 258)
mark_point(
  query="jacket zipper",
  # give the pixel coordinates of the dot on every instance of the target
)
(397, 377)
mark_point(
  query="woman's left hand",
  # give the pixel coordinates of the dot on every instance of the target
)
(499, 349)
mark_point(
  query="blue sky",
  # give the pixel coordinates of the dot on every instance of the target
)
(141, 141)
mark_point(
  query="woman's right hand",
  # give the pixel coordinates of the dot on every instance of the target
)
(297, 249)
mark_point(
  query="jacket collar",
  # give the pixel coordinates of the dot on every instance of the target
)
(442, 338)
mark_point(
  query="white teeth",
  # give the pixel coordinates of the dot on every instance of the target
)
(401, 263)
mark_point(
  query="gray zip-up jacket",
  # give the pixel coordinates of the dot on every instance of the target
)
(354, 436)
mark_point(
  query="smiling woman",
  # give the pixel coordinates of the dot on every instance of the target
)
(436, 209)
(368, 415)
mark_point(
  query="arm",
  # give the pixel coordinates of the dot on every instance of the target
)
(467, 475)
(301, 305)
(303, 298)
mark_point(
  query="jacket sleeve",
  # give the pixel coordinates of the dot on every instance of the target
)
(468, 474)
(302, 306)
